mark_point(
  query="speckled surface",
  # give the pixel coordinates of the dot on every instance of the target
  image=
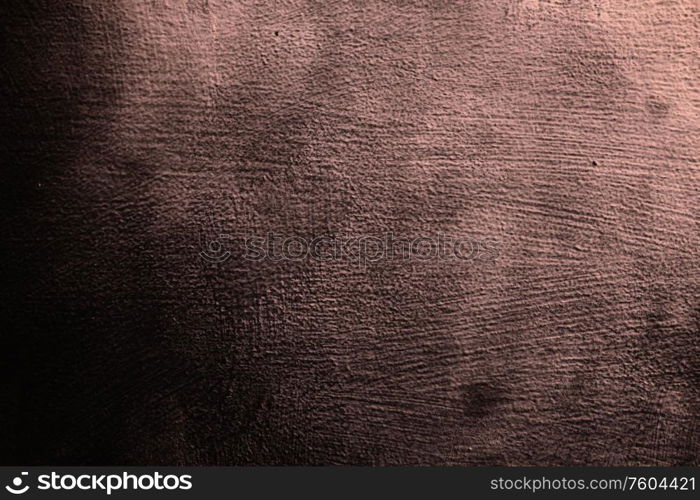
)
(567, 132)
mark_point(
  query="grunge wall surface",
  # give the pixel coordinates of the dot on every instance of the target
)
(136, 132)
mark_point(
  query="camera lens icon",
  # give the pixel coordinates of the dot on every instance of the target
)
(215, 251)
(16, 487)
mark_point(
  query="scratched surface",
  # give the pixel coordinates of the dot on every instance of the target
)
(567, 131)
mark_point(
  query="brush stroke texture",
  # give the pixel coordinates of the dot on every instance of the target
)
(568, 131)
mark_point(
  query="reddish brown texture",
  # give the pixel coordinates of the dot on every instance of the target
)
(566, 131)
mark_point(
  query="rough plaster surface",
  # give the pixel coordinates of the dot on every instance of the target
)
(567, 131)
